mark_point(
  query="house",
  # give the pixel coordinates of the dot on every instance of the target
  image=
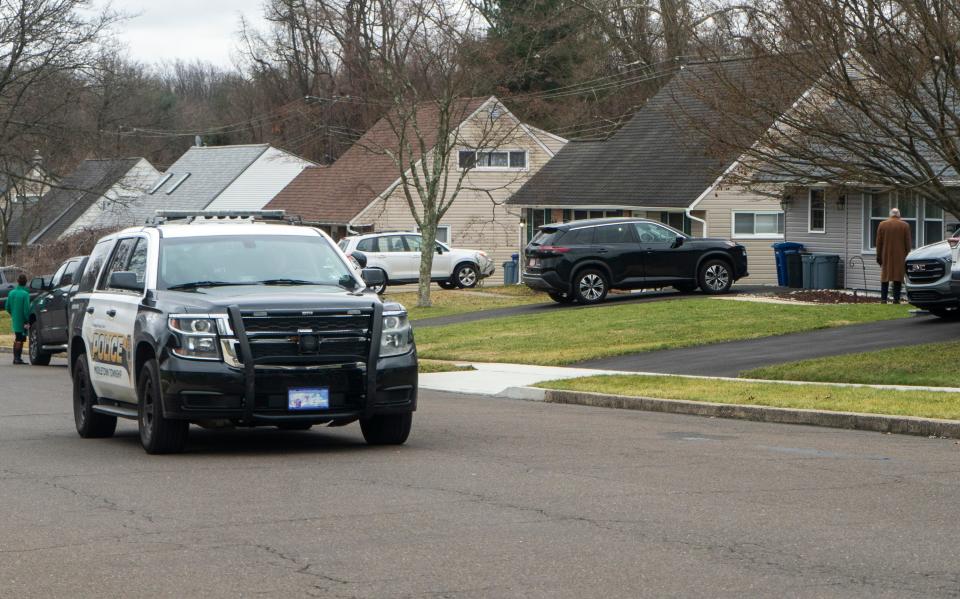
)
(239, 177)
(20, 190)
(660, 166)
(362, 190)
(94, 196)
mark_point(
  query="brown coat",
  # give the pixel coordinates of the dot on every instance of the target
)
(893, 245)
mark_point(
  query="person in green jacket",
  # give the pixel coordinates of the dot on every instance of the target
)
(18, 305)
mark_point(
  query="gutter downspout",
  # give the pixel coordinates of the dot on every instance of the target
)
(699, 220)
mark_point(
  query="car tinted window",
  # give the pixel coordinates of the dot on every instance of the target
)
(70, 274)
(94, 265)
(368, 245)
(619, 233)
(582, 236)
(119, 261)
(55, 281)
(138, 260)
(547, 237)
(394, 243)
(649, 232)
(414, 242)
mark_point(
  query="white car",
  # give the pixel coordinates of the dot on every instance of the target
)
(398, 256)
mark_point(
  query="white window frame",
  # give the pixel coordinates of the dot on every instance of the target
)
(439, 228)
(810, 228)
(922, 225)
(893, 198)
(781, 218)
(494, 169)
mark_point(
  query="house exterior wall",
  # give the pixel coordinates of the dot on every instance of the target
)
(111, 210)
(718, 209)
(260, 182)
(478, 218)
(845, 228)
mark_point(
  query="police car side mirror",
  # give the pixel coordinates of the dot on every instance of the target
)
(360, 257)
(373, 277)
(125, 280)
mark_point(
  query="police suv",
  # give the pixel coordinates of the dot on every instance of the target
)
(219, 318)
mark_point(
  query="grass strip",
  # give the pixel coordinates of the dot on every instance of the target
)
(932, 364)
(573, 335)
(429, 366)
(924, 404)
(461, 301)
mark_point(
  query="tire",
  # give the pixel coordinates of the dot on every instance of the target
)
(392, 429)
(466, 276)
(590, 286)
(945, 314)
(295, 426)
(379, 289)
(90, 424)
(447, 284)
(157, 434)
(561, 298)
(715, 277)
(38, 357)
(685, 287)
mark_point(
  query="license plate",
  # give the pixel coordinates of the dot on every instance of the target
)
(308, 398)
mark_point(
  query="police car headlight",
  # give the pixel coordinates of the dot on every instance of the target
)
(397, 335)
(197, 336)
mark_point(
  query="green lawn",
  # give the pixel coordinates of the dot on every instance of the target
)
(934, 364)
(5, 323)
(428, 366)
(929, 404)
(567, 336)
(459, 301)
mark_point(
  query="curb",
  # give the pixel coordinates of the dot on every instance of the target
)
(902, 425)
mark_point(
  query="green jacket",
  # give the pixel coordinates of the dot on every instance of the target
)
(18, 305)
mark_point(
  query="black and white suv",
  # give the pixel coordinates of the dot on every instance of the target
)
(397, 255)
(244, 324)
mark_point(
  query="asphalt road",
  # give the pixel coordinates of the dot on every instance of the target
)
(490, 498)
(729, 359)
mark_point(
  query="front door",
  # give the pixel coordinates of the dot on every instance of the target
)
(663, 259)
(109, 325)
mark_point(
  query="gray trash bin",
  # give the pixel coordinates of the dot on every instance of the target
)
(820, 271)
(510, 273)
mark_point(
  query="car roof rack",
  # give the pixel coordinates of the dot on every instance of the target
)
(222, 216)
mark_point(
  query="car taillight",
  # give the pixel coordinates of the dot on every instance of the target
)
(953, 241)
(556, 249)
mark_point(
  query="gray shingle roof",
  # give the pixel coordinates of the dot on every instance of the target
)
(211, 170)
(60, 207)
(657, 160)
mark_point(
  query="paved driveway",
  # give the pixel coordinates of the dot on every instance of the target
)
(729, 359)
(490, 498)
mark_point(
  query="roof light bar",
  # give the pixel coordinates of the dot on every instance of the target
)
(163, 216)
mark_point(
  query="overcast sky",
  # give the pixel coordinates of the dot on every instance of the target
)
(185, 29)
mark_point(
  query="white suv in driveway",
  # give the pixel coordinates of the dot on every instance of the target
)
(398, 256)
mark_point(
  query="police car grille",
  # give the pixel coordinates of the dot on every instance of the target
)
(339, 337)
(291, 323)
(921, 271)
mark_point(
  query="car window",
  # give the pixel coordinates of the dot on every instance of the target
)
(582, 236)
(70, 274)
(393, 243)
(138, 261)
(651, 233)
(414, 242)
(546, 237)
(343, 244)
(119, 261)
(618, 233)
(368, 245)
(95, 265)
(55, 281)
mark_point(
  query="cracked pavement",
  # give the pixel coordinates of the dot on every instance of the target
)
(489, 498)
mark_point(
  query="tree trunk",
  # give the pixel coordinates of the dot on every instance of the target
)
(427, 248)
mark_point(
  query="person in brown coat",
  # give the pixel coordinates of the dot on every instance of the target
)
(893, 245)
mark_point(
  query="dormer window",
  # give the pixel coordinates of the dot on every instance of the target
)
(160, 183)
(177, 183)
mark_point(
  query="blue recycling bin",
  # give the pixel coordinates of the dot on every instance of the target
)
(780, 251)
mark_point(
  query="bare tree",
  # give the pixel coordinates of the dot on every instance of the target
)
(883, 100)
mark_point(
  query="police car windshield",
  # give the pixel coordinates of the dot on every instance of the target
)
(190, 262)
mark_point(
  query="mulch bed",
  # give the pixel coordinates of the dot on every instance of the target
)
(827, 296)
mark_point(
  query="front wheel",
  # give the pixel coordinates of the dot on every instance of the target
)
(715, 277)
(379, 289)
(90, 424)
(391, 429)
(157, 433)
(466, 276)
(590, 286)
(38, 357)
(561, 298)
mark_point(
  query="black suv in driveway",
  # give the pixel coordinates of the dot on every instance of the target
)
(582, 260)
(50, 310)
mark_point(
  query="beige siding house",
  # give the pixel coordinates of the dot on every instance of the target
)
(661, 167)
(495, 155)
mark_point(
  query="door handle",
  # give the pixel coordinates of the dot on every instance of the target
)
(91, 310)
(602, 251)
(111, 312)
